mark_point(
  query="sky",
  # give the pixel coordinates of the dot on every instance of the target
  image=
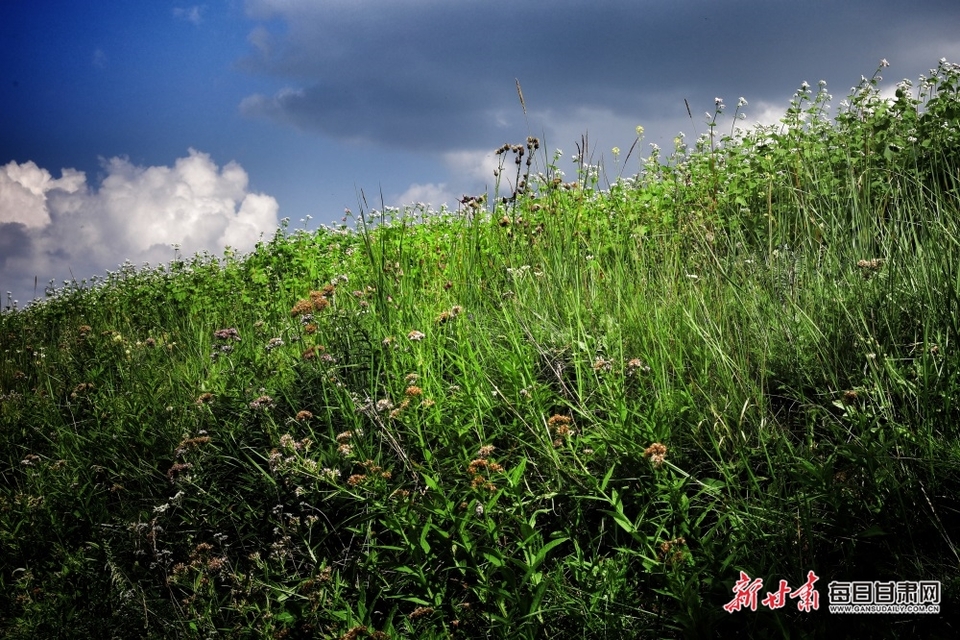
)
(131, 126)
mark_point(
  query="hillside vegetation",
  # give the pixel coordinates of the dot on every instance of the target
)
(578, 406)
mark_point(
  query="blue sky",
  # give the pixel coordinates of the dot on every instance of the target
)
(128, 126)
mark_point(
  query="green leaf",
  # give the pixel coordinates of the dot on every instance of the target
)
(493, 558)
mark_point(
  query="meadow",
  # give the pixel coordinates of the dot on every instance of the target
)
(577, 406)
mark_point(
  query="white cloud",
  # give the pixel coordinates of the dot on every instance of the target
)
(261, 38)
(50, 227)
(23, 189)
(431, 194)
(765, 113)
(477, 165)
(190, 14)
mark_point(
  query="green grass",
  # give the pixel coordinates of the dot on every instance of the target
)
(572, 408)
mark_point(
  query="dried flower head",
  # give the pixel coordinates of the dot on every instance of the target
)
(602, 364)
(869, 267)
(656, 452)
(264, 402)
(476, 466)
(635, 366)
(227, 334)
(420, 612)
(356, 479)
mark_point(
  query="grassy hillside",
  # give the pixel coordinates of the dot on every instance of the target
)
(579, 406)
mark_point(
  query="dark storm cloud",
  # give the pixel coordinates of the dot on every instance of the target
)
(435, 75)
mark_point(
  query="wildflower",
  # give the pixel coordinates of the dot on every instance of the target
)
(371, 466)
(330, 474)
(344, 450)
(485, 451)
(81, 388)
(616, 152)
(742, 102)
(413, 390)
(344, 437)
(561, 429)
(476, 466)
(396, 412)
(356, 479)
(175, 470)
(884, 63)
(227, 334)
(639, 131)
(265, 402)
(656, 452)
(601, 364)
(304, 415)
(287, 442)
(869, 267)
(384, 405)
(30, 460)
(416, 336)
(636, 365)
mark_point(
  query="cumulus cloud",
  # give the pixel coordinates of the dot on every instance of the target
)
(52, 227)
(432, 194)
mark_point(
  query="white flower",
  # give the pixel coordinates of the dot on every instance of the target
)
(884, 63)
(742, 102)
